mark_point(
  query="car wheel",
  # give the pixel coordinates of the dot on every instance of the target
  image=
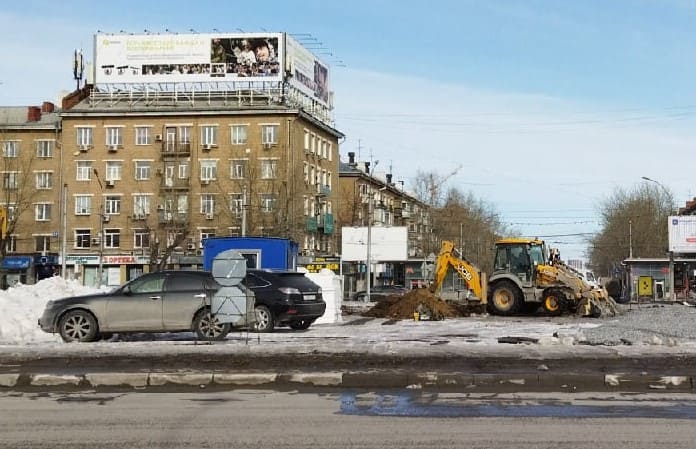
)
(264, 319)
(300, 325)
(78, 325)
(208, 327)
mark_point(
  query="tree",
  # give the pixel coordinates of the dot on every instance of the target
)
(633, 223)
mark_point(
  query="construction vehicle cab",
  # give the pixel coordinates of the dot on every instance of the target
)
(527, 275)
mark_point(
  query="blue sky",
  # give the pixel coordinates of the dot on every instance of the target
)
(548, 106)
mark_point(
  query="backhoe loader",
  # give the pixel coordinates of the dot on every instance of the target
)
(525, 277)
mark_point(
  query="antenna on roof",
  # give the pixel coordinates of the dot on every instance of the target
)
(78, 67)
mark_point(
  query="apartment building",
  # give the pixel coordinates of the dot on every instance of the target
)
(368, 199)
(31, 181)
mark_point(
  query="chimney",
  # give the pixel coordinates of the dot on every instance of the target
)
(367, 168)
(47, 107)
(389, 178)
(351, 158)
(33, 114)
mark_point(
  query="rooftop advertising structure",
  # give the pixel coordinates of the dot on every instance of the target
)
(187, 58)
(306, 72)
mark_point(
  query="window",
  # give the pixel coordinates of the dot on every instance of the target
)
(184, 134)
(305, 172)
(10, 180)
(114, 136)
(44, 148)
(44, 180)
(208, 170)
(207, 204)
(84, 136)
(83, 205)
(84, 170)
(141, 204)
(113, 170)
(112, 238)
(42, 243)
(239, 134)
(183, 171)
(306, 141)
(269, 134)
(209, 135)
(42, 212)
(10, 148)
(328, 180)
(305, 200)
(268, 168)
(207, 234)
(112, 205)
(313, 148)
(143, 170)
(153, 283)
(238, 168)
(143, 135)
(237, 204)
(82, 238)
(267, 202)
(11, 244)
(141, 238)
(329, 151)
(312, 174)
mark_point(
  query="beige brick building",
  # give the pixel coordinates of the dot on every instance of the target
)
(146, 181)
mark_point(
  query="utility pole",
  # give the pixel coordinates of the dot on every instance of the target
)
(244, 211)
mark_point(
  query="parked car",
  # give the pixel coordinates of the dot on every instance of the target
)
(284, 298)
(164, 301)
(179, 301)
(381, 292)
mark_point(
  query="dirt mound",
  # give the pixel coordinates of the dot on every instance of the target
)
(428, 305)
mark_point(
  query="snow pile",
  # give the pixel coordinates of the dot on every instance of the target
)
(22, 305)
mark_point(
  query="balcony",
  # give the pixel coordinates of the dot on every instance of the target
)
(176, 149)
(175, 183)
(173, 218)
(327, 223)
(311, 224)
(323, 190)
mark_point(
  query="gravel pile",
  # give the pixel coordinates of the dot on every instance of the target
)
(656, 324)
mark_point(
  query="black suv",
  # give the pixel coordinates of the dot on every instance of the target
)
(284, 298)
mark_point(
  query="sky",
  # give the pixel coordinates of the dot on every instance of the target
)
(540, 108)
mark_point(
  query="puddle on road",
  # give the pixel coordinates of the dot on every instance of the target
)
(410, 405)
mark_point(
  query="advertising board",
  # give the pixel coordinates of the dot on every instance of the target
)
(387, 244)
(682, 234)
(307, 72)
(179, 58)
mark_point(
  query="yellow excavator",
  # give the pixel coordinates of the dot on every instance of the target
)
(525, 276)
(473, 292)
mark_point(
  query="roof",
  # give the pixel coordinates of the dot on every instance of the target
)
(15, 117)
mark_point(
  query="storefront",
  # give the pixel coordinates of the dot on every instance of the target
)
(16, 270)
(116, 269)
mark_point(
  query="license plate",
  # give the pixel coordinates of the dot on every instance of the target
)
(309, 297)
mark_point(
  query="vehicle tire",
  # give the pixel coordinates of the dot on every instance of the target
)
(265, 322)
(207, 326)
(554, 302)
(505, 299)
(78, 325)
(300, 325)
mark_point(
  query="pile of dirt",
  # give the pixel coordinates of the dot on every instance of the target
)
(428, 305)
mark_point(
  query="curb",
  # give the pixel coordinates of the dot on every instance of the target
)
(378, 379)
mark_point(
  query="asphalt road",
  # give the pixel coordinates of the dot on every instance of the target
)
(345, 419)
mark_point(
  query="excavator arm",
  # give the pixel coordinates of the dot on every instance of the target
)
(469, 273)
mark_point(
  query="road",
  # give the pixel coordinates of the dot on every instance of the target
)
(345, 419)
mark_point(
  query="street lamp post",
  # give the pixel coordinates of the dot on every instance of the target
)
(672, 295)
(370, 211)
(100, 268)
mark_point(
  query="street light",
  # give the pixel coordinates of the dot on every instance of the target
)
(672, 295)
(101, 229)
(370, 211)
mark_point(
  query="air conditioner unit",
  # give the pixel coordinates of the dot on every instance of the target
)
(209, 216)
(112, 148)
(267, 146)
(158, 137)
(85, 148)
(207, 147)
(106, 218)
(138, 216)
(160, 207)
(205, 182)
(95, 241)
(110, 182)
(191, 246)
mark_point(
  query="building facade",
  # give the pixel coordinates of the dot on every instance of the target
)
(370, 200)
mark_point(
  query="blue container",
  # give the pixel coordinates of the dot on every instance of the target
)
(260, 252)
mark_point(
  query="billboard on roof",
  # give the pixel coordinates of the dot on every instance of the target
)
(306, 72)
(183, 58)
